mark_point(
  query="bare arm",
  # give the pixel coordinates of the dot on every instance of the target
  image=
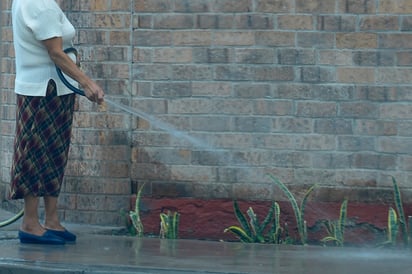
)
(54, 47)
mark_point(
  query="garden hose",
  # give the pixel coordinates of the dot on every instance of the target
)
(12, 219)
(64, 80)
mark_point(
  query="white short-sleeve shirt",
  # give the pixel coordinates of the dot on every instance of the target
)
(34, 21)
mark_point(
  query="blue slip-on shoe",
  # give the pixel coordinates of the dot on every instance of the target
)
(47, 238)
(65, 234)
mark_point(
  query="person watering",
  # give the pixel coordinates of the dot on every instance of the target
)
(44, 114)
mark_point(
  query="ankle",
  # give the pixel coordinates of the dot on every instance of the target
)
(32, 228)
(54, 225)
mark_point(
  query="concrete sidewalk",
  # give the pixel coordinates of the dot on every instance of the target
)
(99, 253)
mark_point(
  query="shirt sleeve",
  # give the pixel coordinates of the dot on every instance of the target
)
(46, 24)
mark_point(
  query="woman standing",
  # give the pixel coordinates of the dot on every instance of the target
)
(44, 114)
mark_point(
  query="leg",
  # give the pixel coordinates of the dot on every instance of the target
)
(31, 230)
(30, 223)
(51, 215)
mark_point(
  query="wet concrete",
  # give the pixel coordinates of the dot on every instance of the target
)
(94, 253)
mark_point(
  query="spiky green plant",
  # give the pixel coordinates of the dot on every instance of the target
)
(169, 225)
(135, 214)
(299, 211)
(393, 226)
(131, 230)
(401, 215)
(253, 231)
(276, 231)
(392, 229)
(286, 238)
(336, 229)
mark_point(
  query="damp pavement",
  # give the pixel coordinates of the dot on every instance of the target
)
(98, 251)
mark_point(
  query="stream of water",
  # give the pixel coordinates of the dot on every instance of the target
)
(158, 123)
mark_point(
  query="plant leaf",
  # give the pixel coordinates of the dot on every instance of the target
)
(342, 219)
(176, 218)
(135, 215)
(392, 226)
(399, 208)
(305, 199)
(328, 239)
(164, 222)
(240, 233)
(330, 227)
(295, 207)
(268, 218)
(331, 239)
(254, 224)
(277, 214)
(241, 218)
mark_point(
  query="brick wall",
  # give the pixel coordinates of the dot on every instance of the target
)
(313, 91)
(7, 99)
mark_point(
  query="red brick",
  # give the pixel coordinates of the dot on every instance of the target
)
(6, 5)
(192, 38)
(356, 40)
(357, 7)
(173, 55)
(153, 5)
(274, 38)
(193, 6)
(152, 38)
(97, 5)
(113, 21)
(335, 57)
(337, 23)
(295, 22)
(379, 23)
(274, 6)
(120, 38)
(254, 21)
(120, 5)
(315, 6)
(315, 40)
(406, 23)
(395, 40)
(394, 75)
(228, 6)
(233, 38)
(178, 21)
(404, 58)
(399, 6)
(355, 75)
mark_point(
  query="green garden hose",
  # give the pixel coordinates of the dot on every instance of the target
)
(12, 219)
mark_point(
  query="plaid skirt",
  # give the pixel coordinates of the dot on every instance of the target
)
(41, 144)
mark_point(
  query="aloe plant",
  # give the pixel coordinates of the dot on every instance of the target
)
(169, 225)
(130, 229)
(299, 211)
(393, 226)
(336, 229)
(392, 229)
(401, 215)
(253, 231)
(276, 230)
(135, 214)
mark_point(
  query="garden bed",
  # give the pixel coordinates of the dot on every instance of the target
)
(207, 219)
